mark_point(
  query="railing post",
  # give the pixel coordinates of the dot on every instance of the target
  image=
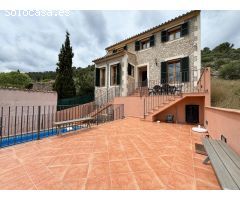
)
(39, 122)
(144, 108)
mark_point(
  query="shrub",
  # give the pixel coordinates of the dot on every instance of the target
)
(230, 71)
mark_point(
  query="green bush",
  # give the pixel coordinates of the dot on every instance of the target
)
(230, 71)
(14, 79)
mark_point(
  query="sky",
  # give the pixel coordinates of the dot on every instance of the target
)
(32, 43)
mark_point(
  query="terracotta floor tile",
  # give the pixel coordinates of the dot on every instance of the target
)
(76, 172)
(100, 157)
(61, 160)
(98, 183)
(181, 181)
(205, 175)
(138, 165)
(117, 155)
(74, 184)
(20, 183)
(131, 154)
(123, 182)
(148, 181)
(183, 168)
(58, 171)
(201, 185)
(117, 167)
(81, 158)
(98, 169)
(52, 184)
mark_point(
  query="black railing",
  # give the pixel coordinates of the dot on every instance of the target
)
(27, 123)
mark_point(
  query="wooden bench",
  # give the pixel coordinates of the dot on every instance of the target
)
(86, 120)
(225, 162)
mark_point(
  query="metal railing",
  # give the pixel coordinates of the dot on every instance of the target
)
(27, 123)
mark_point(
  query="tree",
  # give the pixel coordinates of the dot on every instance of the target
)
(15, 79)
(85, 80)
(64, 84)
(224, 47)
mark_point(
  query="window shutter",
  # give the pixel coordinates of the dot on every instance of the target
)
(185, 69)
(118, 74)
(184, 29)
(129, 69)
(163, 72)
(97, 77)
(164, 36)
(137, 45)
(152, 41)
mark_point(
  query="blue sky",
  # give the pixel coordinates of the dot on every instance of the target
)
(33, 43)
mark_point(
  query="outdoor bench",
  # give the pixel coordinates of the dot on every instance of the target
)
(60, 124)
(225, 162)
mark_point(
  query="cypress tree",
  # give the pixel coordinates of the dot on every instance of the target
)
(64, 84)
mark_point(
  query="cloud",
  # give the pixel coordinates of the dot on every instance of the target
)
(33, 43)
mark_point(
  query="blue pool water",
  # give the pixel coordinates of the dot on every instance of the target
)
(12, 140)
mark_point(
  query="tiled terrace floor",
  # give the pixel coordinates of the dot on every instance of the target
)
(125, 154)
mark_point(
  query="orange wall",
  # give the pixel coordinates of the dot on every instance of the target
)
(178, 110)
(224, 122)
(133, 106)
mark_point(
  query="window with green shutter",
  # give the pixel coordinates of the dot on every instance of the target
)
(118, 74)
(185, 69)
(184, 29)
(164, 36)
(97, 77)
(137, 45)
(163, 72)
(152, 41)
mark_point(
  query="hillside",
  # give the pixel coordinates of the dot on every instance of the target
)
(225, 93)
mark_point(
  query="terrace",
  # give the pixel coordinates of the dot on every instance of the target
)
(124, 154)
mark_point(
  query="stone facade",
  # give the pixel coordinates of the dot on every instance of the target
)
(152, 57)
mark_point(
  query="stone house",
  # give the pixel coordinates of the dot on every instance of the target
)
(167, 53)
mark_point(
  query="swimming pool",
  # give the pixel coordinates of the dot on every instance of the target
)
(27, 137)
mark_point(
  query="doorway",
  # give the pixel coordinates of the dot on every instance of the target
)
(142, 76)
(192, 114)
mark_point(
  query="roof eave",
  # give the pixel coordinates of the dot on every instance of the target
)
(157, 28)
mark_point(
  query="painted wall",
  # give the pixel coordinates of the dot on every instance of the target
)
(178, 110)
(226, 122)
(13, 97)
(133, 106)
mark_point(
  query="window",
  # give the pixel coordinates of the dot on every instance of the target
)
(130, 70)
(113, 75)
(174, 34)
(145, 44)
(173, 72)
(102, 76)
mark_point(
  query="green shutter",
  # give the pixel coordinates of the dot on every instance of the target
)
(164, 72)
(129, 69)
(152, 41)
(184, 29)
(185, 69)
(118, 74)
(137, 45)
(97, 77)
(164, 36)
